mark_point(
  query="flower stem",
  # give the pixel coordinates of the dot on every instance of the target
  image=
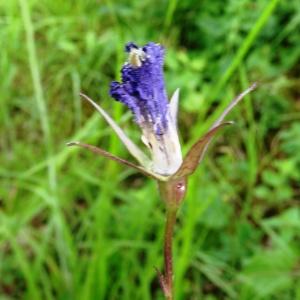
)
(168, 278)
(172, 192)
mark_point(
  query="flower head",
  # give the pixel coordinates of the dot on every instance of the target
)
(142, 90)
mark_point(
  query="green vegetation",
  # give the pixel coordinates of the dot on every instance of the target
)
(76, 226)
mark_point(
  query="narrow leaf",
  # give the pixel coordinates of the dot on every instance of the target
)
(134, 150)
(233, 103)
(196, 153)
(104, 153)
(163, 285)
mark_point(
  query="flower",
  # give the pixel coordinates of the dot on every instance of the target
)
(143, 91)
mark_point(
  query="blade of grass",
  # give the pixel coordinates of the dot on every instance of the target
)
(251, 144)
(24, 263)
(237, 60)
(62, 232)
(38, 91)
(169, 15)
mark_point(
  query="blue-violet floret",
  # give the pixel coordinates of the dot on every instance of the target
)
(142, 88)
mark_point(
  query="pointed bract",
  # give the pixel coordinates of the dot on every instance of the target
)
(233, 103)
(135, 151)
(104, 153)
(198, 150)
(195, 154)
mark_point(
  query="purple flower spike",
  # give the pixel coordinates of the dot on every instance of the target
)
(142, 88)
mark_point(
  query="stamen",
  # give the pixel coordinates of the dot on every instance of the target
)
(136, 56)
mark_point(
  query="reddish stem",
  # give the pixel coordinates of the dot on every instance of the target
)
(173, 192)
(168, 278)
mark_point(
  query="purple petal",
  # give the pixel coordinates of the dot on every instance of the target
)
(142, 88)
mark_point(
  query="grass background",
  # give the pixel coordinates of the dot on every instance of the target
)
(75, 226)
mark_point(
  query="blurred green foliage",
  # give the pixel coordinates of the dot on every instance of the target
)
(75, 226)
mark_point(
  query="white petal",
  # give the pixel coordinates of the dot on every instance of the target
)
(165, 149)
(173, 107)
(129, 144)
